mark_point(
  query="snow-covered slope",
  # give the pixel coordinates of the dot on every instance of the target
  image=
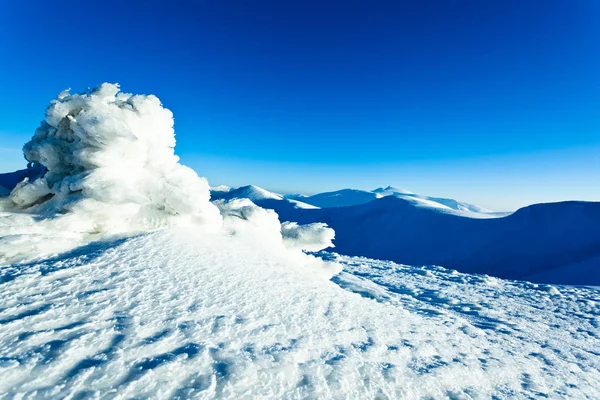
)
(185, 314)
(353, 197)
(548, 244)
(433, 201)
(259, 195)
(248, 192)
(341, 198)
(220, 190)
(529, 244)
(391, 190)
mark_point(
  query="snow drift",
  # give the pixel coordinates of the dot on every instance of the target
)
(109, 168)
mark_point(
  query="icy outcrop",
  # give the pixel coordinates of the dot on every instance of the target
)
(111, 169)
(108, 147)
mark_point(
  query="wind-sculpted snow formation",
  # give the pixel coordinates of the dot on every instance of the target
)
(112, 170)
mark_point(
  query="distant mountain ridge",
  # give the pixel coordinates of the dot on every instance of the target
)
(353, 197)
(249, 192)
(259, 196)
(548, 243)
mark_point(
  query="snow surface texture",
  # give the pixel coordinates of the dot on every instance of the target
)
(182, 313)
(112, 170)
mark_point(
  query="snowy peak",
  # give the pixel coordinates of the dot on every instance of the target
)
(295, 196)
(434, 202)
(341, 198)
(354, 197)
(262, 197)
(251, 192)
(445, 203)
(391, 190)
(220, 188)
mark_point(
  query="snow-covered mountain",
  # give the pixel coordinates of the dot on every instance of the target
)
(251, 192)
(391, 190)
(340, 198)
(353, 197)
(528, 244)
(260, 195)
(136, 285)
(548, 243)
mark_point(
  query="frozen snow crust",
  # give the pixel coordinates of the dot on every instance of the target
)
(182, 313)
(112, 170)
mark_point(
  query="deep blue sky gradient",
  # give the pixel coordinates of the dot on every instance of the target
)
(494, 102)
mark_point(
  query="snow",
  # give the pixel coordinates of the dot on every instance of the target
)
(250, 192)
(8, 181)
(549, 243)
(353, 197)
(310, 237)
(300, 204)
(110, 159)
(261, 196)
(391, 190)
(220, 188)
(583, 272)
(110, 170)
(120, 279)
(437, 202)
(185, 313)
(341, 198)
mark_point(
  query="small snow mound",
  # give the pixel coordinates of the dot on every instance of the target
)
(491, 281)
(310, 237)
(551, 290)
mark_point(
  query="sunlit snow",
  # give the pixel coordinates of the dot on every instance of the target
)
(120, 279)
(185, 313)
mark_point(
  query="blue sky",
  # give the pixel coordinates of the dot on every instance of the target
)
(493, 102)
